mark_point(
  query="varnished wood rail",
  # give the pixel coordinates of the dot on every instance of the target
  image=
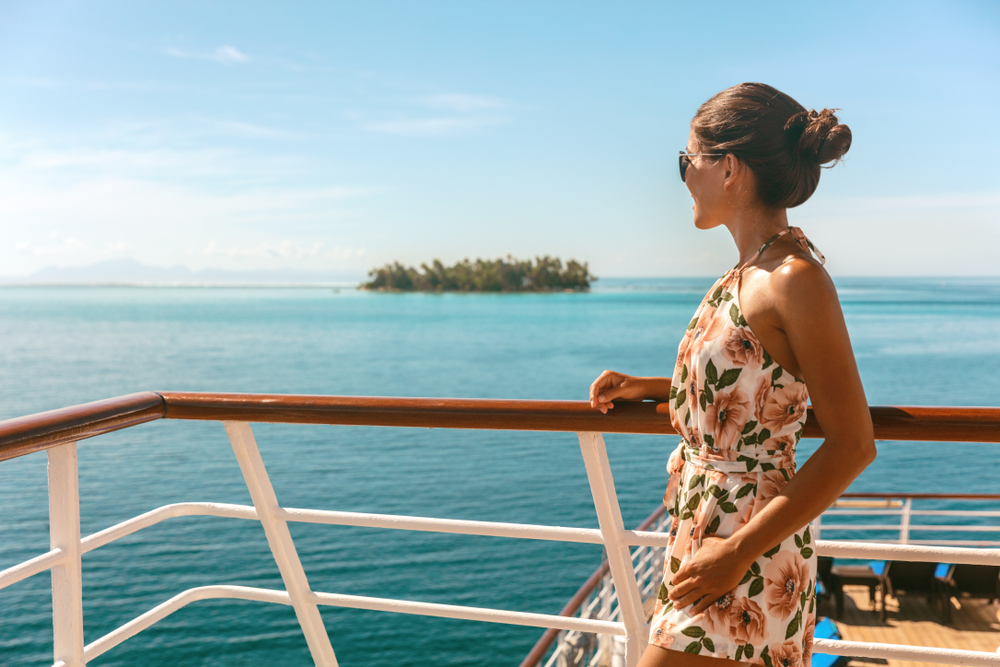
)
(24, 435)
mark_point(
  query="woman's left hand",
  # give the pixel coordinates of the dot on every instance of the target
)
(714, 570)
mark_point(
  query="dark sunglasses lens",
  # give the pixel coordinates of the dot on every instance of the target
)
(682, 161)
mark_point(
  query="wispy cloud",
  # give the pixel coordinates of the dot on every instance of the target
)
(424, 127)
(284, 250)
(458, 113)
(461, 102)
(224, 54)
(56, 244)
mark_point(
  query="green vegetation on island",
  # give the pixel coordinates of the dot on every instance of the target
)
(544, 274)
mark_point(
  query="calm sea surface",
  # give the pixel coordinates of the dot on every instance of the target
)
(918, 342)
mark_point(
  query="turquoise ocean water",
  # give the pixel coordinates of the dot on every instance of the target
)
(918, 342)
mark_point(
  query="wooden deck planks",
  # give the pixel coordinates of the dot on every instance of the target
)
(912, 621)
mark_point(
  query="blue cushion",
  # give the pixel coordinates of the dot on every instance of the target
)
(826, 629)
(941, 571)
(877, 566)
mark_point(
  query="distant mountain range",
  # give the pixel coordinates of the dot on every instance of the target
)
(132, 272)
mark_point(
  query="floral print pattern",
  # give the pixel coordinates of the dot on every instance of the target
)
(740, 416)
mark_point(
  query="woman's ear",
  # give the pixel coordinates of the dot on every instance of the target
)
(735, 170)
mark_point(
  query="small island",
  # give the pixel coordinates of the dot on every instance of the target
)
(543, 274)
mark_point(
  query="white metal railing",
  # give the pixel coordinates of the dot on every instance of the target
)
(65, 562)
(903, 508)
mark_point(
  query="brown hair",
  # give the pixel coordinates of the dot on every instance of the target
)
(782, 143)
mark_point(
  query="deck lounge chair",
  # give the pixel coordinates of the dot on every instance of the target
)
(977, 581)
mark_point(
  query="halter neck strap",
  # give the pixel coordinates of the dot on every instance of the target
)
(799, 237)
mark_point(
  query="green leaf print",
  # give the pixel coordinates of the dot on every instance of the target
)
(770, 552)
(709, 440)
(684, 373)
(739, 653)
(696, 480)
(728, 377)
(693, 631)
(711, 372)
(713, 527)
(756, 586)
(806, 553)
(728, 508)
(784, 473)
(748, 650)
(743, 322)
(802, 599)
(694, 501)
(745, 489)
(707, 641)
(703, 401)
(793, 627)
(734, 314)
(717, 294)
(709, 396)
(673, 393)
(693, 323)
(746, 577)
(806, 537)
(763, 435)
(750, 425)
(675, 564)
(679, 401)
(765, 466)
(751, 463)
(727, 296)
(715, 490)
(767, 357)
(775, 374)
(693, 647)
(663, 593)
(755, 568)
(766, 657)
(798, 541)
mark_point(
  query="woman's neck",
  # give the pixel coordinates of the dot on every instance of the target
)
(751, 228)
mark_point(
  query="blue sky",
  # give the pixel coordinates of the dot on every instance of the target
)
(339, 136)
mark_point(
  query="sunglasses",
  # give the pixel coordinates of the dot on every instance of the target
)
(684, 159)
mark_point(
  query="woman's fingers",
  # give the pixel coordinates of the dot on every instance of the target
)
(704, 603)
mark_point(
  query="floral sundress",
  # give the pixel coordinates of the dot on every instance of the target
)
(740, 415)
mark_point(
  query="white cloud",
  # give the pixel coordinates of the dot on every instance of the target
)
(284, 250)
(461, 102)
(424, 127)
(224, 54)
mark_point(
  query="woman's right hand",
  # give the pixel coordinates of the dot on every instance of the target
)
(610, 385)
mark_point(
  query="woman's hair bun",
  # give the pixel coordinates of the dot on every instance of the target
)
(818, 136)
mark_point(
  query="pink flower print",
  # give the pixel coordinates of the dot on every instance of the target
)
(675, 463)
(786, 405)
(691, 385)
(769, 485)
(785, 446)
(741, 348)
(807, 638)
(715, 619)
(761, 393)
(682, 351)
(727, 416)
(786, 654)
(708, 328)
(694, 436)
(661, 633)
(786, 576)
(744, 511)
(747, 622)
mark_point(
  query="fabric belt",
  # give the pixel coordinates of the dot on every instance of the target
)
(749, 462)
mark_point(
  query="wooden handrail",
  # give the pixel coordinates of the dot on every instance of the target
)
(33, 433)
(24, 435)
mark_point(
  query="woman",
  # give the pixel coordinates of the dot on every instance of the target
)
(739, 579)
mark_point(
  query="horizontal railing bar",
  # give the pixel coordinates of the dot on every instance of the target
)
(896, 528)
(172, 511)
(469, 613)
(29, 568)
(927, 496)
(908, 552)
(161, 611)
(948, 656)
(985, 513)
(33, 433)
(459, 526)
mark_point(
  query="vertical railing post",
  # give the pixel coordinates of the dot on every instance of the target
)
(817, 527)
(904, 526)
(280, 540)
(609, 518)
(67, 576)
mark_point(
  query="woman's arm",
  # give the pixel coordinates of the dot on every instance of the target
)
(810, 315)
(610, 385)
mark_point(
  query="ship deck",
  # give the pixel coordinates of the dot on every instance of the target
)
(975, 624)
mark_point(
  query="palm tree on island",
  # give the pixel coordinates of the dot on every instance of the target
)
(543, 274)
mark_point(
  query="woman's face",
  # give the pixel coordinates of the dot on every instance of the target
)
(705, 179)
